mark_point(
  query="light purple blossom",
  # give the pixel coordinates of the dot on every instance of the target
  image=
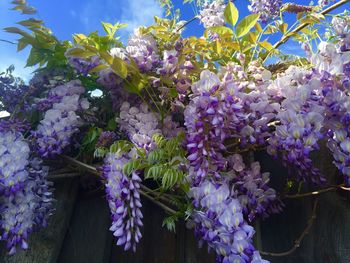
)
(143, 49)
(27, 209)
(124, 201)
(212, 14)
(268, 9)
(139, 123)
(60, 122)
(218, 220)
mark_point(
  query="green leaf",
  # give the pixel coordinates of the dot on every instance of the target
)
(246, 24)
(156, 156)
(78, 52)
(22, 43)
(34, 57)
(231, 14)
(223, 31)
(112, 124)
(169, 222)
(266, 45)
(119, 67)
(154, 172)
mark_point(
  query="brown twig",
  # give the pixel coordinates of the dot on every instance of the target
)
(317, 192)
(187, 22)
(298, 241)
(62, 175)
(302, 26)
(7, 41)
(93, 170)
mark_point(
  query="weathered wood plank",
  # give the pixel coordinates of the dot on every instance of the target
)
(329, 238)
(157, 244)
(88, 238)
(45, 245)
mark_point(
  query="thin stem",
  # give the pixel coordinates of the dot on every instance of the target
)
(62, 175)
(188, 22)
(7, 41)
(166, 208)
(298, 241)
(93, 170)
(302, 26)
(317, 192)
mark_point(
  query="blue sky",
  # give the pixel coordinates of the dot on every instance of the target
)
(65, 17)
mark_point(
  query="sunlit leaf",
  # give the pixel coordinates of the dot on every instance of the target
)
(246, 24)
(231, 14)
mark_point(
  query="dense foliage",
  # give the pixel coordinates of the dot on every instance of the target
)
(176, 119)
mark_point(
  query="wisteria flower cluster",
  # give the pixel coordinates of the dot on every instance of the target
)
(219, 221)
(61, 121)
(25, 193)
(124, 201)
(178, 119)
(268, 9)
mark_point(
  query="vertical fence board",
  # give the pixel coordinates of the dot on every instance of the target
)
(88, 238)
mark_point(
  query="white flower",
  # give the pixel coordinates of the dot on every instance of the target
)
(208, 80)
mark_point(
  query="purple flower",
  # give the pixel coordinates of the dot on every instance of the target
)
(14, 155)
(139, 123)
(106, 139)
(124, 201)
(212, 14)
(218, 220)
(54, 132)
(143, 49)
(268, 9)
(27, 208)
(251, 188)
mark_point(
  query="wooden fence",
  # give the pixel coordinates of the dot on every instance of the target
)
(78, 231)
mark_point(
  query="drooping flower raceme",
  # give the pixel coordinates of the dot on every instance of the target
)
(250, 187)
(143, 49)
(341, 27)
(14, 155)
(113, 83)
(250, 127)
(207, 119)
(212, 14)
(124, 201)
(10, 88)
(60, 122)
(27, 209)
(268, 9)
(25, 195)
(218, 221)
(301, 118)
(139, 123)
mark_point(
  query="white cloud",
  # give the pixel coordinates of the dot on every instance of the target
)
(73, 13)
(139, 12)
(293, 48)
(132, 12)
(20, 70)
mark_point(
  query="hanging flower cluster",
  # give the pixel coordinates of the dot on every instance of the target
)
(124, 201)
(143, 49)
(193, 111)
(268, 9)
(25, 195)
(251, 189)
(139, 123)
(212, 14)
(61, 121)
(219, 221)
